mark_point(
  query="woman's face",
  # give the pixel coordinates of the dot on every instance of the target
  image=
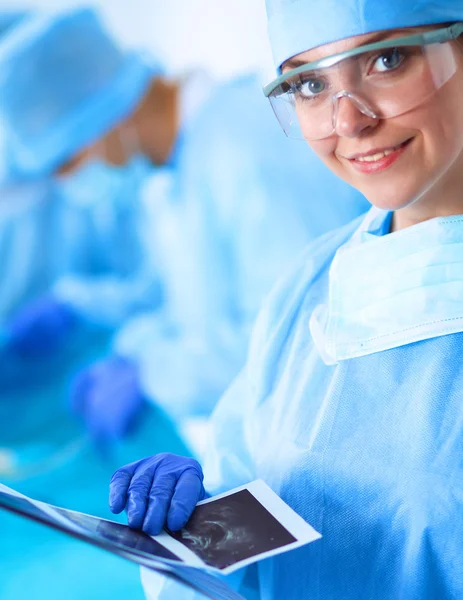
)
(425, 167)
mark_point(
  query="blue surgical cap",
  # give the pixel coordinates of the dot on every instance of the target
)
(299, 25)
(63, 84)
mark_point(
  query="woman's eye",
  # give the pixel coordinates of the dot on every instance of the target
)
(389, 60)
(310, 87)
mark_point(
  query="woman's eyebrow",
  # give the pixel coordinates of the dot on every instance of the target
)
(293, 63)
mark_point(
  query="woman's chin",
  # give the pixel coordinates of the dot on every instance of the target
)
(392, 201)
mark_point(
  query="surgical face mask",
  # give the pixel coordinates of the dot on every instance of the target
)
(391, 290)
(382, 80)
(98, 181)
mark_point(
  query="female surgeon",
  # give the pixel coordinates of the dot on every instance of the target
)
(350, 406)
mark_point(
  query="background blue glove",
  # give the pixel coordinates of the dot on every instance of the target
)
(154, 491)
(108, 398)
(41, 328)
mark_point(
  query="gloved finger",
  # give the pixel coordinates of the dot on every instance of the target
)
(188, 492)
(119, 486)
(80, 388)
(161, 493)
(138, 496)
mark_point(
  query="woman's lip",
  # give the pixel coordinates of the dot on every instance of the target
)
(380, 164)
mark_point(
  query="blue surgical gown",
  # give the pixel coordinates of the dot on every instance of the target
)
(368, 451)
(244, 202)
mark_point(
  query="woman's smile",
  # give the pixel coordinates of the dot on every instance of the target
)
(377, 160)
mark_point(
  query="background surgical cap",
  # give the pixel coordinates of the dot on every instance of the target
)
(299, 25)
(63, 84)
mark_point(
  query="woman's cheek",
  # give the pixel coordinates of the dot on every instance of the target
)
(324, 148)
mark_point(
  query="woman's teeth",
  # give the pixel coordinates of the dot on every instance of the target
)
(378, 155)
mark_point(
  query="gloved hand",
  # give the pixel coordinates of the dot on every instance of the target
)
(108, 398)
(154, 491)
(40, 328)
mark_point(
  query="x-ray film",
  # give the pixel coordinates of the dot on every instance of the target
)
(238, 528)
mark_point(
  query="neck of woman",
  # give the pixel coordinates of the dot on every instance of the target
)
(443, 199)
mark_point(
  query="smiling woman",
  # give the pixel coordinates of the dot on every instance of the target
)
(349, 406)
(364, 105)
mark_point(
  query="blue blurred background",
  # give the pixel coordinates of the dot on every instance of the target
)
(182, 32)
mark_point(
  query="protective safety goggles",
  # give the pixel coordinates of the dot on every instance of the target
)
(383, 80)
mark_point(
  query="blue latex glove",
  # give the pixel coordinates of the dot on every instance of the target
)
(162, 489)
(108, 398)
(41, 328)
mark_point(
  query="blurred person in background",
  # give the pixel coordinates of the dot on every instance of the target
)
(83, 127)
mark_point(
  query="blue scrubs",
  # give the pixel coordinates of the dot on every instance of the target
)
(368, 450)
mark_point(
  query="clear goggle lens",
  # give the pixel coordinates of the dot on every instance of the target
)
(383, 83)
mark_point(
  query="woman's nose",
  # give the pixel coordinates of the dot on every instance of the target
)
(351, 117)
